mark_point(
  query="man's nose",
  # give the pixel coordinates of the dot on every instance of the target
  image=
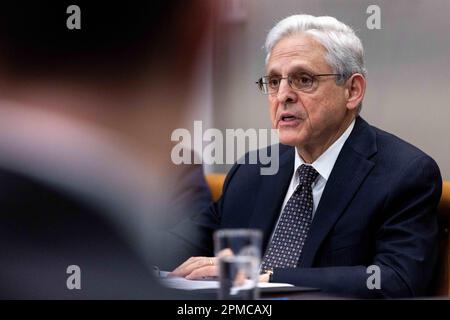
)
(285, 93)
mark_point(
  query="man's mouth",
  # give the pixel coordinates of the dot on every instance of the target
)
(288, 118)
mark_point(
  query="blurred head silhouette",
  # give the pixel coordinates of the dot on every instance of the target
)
(85, 122)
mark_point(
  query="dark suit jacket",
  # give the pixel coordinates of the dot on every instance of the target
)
(378, 208)
(191, 193)
(44, 229)
(49, 222)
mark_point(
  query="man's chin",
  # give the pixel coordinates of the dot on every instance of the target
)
(292, 136)
(290, 141)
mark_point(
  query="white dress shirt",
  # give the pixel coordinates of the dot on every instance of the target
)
(323, 165)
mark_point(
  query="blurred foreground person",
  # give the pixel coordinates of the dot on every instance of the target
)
(85, 122)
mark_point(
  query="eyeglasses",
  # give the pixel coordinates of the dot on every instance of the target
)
(301, 81)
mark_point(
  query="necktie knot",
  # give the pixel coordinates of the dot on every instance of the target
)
(306, 175)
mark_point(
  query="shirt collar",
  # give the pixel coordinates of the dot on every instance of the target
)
(325, 163)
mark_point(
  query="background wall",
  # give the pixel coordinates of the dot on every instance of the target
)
(408, 63)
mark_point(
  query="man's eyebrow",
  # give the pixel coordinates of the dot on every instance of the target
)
(301, 69)
(273, 72)
(294, 69)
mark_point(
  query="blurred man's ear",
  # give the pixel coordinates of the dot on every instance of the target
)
(190, 27)
(355, 89)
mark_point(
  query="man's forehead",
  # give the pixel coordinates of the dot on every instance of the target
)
(300, 50)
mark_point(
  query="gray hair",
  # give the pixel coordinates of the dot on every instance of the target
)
(344, 49)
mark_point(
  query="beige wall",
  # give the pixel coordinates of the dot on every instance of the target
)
(408, 63)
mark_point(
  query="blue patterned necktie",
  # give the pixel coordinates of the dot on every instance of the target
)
(285, 248)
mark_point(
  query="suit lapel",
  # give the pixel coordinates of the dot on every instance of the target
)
(349, 171)
(271, 193)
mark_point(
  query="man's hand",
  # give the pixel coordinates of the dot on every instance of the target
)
(264, 277)
(196, 268)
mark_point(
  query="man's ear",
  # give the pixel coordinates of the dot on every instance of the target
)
(191, 27)
(355, 89)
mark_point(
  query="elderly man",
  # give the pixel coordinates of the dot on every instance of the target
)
(347, 195)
